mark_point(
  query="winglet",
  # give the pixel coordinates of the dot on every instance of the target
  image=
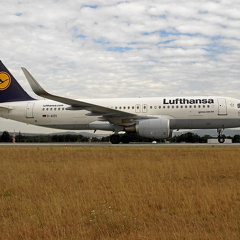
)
(34, 84)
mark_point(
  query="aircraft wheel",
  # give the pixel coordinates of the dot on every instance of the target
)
(115, 139)
(125, 139)
(221, 139)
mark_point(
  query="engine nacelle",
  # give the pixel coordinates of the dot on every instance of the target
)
(158, 128)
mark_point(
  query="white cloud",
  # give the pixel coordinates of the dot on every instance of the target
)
(124, 49)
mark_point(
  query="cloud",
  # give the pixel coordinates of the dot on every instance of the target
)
(124, 48)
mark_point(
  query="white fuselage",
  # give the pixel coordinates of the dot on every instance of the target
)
(184, 112)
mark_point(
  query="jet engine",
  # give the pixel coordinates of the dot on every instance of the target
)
(158, 128)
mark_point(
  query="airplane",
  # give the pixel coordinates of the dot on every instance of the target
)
(153, 118)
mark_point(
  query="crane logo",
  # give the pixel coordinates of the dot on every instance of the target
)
(5, 80)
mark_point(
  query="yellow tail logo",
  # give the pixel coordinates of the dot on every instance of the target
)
(5, 80)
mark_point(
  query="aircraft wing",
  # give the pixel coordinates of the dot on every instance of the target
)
(109, 114)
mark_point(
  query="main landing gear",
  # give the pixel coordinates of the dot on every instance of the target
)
(116, 139)
(221, 136)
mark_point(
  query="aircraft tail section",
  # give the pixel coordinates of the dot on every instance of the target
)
(10, 90)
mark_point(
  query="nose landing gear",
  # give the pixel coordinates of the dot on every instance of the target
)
(221, 136)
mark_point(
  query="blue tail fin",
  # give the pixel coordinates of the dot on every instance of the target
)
(10, 90)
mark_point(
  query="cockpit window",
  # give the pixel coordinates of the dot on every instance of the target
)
(238, 105)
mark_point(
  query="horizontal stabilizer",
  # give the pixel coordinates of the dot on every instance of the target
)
(4, 108)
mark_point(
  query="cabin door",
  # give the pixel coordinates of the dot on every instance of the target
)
(222, 106)
(29, 110)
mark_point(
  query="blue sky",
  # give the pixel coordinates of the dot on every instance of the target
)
(123, 48)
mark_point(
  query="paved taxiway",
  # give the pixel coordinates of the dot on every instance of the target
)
(119, 145)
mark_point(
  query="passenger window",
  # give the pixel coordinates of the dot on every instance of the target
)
(238, 105)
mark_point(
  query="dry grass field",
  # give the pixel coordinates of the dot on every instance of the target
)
(119, 193)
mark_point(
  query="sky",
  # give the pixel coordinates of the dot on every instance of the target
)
(109, 48)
